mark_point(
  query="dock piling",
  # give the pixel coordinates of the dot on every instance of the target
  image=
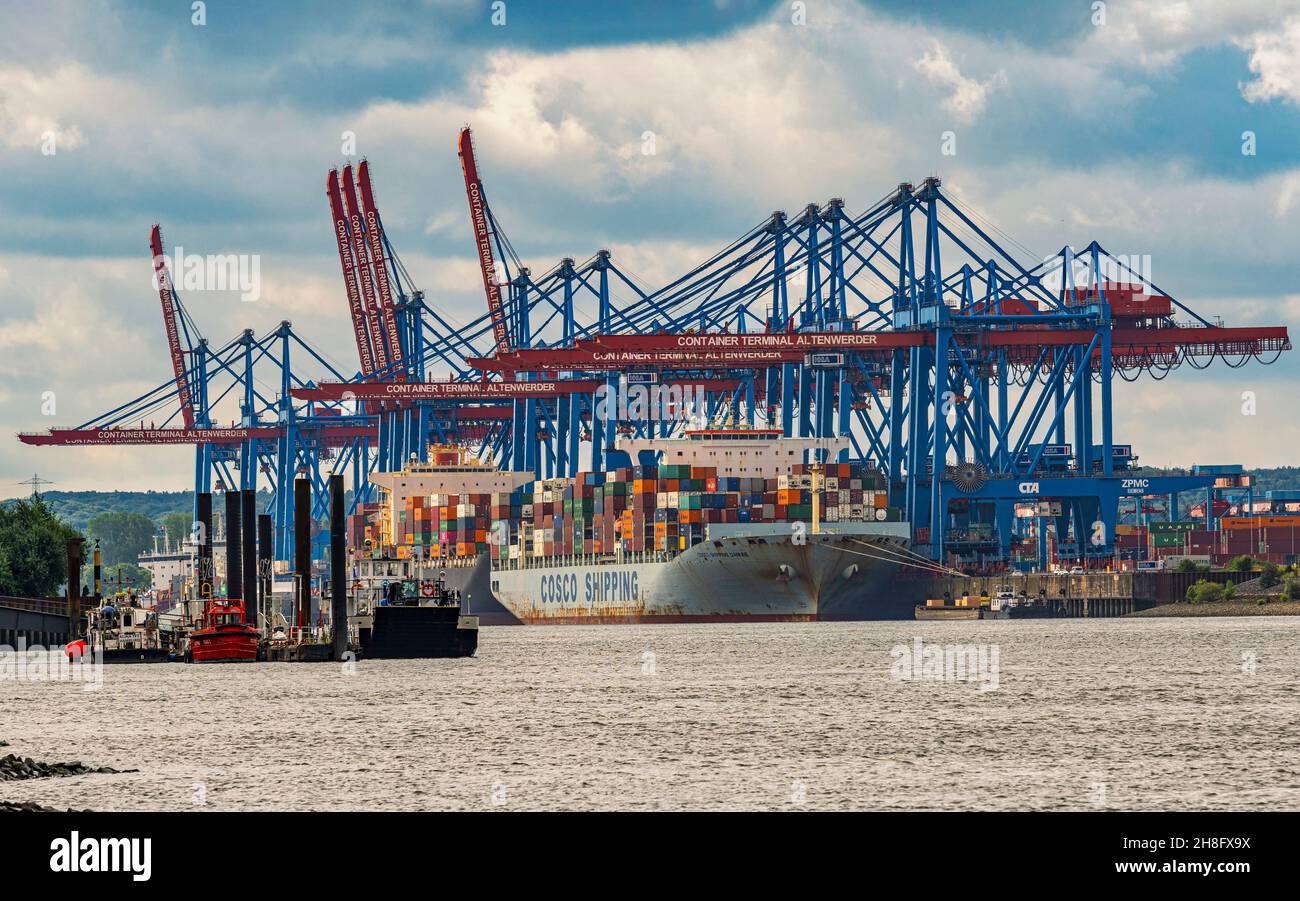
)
(338, 570)
(203, 517)
(248, 555)
(302, 551)
(234, 547)
(265, 554)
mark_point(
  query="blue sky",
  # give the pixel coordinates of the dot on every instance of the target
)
(1067, 129)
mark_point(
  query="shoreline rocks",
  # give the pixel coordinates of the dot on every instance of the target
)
(1248, 607)
(33, 807)
(13, 767)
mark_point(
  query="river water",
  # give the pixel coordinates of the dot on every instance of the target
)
(1080, 714)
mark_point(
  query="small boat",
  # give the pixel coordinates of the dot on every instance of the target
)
(1011, 604)
(121, 630)
(224, 637)
(412, 618)
(968, 606)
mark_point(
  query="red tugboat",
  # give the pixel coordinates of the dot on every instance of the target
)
(224, 636)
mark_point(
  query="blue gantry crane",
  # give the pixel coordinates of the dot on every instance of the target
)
(977, 378)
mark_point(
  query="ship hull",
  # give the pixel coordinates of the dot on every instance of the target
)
(945, 613)
(137, 655)
(223, 646)
(395, 633)
(1037, 611)
(739, 574)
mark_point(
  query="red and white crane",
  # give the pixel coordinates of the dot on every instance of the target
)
(483, 239)
(355, 304)
(164, 282)
(375, 238)
(362, 273)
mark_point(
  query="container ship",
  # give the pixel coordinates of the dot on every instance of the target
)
(725, 525)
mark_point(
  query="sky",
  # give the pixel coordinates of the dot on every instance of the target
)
(1122, 122)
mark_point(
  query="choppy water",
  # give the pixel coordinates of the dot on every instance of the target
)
(1134, 714)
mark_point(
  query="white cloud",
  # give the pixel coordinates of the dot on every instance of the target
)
(968, 96)
(1156, 34)
(1198, 418)
(1275, 59)
(34, 106)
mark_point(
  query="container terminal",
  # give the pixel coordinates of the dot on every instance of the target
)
(900, 399)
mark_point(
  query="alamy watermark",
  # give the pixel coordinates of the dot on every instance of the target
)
(649, 402)
(923, 661)
(37, 663)
(240, 272)
(1125, 272)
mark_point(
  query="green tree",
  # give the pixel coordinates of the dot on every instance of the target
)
(1270, 574)
(6, 573)
(122, 536)
(179, 524)
(1242, 564)
(132, 576)
(1186, 565)
(1205, 592)
(33, 549)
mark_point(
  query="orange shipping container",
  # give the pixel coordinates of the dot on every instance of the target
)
(1258, 522)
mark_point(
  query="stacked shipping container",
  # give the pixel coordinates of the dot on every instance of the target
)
(447, 525)
(666, 508)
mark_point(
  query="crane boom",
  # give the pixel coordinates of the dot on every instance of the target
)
(361, 268)
(349, 274)
(375, 237)
(483, 238)
(164, 280)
